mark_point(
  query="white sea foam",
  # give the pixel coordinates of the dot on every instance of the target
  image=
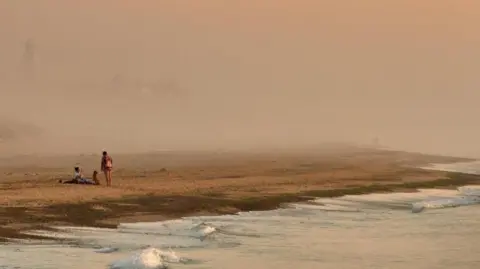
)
(124, 239)
(150, 258)
(106, 250)
(445, 203)
(183, 227)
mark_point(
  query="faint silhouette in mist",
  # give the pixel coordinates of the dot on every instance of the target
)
(29, 60)
(13, 130)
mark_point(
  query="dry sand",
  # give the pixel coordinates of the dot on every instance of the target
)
(158, 186)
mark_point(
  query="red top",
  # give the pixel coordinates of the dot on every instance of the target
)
(107, 162)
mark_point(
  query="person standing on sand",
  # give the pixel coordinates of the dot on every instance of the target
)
(107, 165)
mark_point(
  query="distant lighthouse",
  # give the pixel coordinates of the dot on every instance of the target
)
(29, 60)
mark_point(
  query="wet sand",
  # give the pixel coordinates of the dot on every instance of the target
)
(159, 186)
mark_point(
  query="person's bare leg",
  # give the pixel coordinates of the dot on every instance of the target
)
(106, 176)
(110, 177)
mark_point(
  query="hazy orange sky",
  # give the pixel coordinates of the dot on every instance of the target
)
(257, 72)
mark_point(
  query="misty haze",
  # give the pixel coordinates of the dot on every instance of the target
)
(141, 134)
(79, 76)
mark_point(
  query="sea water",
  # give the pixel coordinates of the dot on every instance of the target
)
(427, 229)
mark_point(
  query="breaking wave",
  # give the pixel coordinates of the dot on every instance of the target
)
(150, 258)
(414, 201)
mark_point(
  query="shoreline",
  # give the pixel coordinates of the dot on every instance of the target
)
(203, 206)
(222, 191)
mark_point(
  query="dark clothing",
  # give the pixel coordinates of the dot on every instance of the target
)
(72, 181)
(76, 181)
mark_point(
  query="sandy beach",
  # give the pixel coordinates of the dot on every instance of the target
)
(159, 186)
